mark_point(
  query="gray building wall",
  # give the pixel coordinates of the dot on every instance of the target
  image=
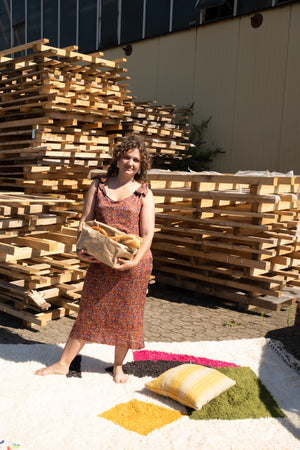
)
(246, 78)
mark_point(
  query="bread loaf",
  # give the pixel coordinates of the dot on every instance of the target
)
(100, 230)
(132, 241)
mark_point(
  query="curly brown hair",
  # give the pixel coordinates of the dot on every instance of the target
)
(128, 143)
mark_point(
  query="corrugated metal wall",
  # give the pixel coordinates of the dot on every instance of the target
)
(247, 79)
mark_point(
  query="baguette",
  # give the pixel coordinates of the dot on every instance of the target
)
(132, 241)
(100, 230)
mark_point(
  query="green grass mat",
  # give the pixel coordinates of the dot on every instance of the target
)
(247, 399)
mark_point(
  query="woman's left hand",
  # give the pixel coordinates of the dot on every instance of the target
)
(84, 256)
(125, 264)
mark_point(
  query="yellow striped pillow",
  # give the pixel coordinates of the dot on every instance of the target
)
(192, 385)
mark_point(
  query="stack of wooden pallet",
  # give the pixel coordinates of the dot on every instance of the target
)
(60, 114)
(164, 129)
(231, 236)
(40, 276)
(60, 110)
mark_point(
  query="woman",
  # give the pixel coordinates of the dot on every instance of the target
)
(112, 302)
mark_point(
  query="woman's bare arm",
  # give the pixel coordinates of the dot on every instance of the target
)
(89, 205)
(87, 214)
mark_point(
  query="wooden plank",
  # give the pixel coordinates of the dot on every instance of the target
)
(79, 56)
(15, 269)
(37, 299)
(213, 222)
(214, 178)
(21, 47)
(25, 122)
(56, 313)
(236, 210)
(56, 279)
(221, 195)
(27, 252)
(59, 237)
(8, 249)
(25, 316)
(39, 244)
(71, 306)
(68, 263)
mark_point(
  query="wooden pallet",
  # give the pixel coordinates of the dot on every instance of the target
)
(55, 280)
(238, 232)
(57, 107)
(34, 319)
(164, 128)
(226, 294)
(66, 110)
(62, 301)
(38, 265)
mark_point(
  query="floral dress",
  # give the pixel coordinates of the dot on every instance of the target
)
(112, 303)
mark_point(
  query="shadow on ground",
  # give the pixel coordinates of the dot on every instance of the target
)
(289, 335)
(7, 336)
(179, 295)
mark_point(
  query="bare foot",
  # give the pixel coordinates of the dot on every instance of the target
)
(55, 369)
(119, 375)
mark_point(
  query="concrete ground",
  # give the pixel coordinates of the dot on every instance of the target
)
(173, 314)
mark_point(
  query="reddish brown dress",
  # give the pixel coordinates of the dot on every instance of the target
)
(112, 303)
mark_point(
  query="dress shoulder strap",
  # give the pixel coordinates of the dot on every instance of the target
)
(142, 190)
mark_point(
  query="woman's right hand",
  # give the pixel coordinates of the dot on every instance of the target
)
(84, 256)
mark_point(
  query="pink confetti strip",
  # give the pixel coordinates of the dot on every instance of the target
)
(144, 355)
